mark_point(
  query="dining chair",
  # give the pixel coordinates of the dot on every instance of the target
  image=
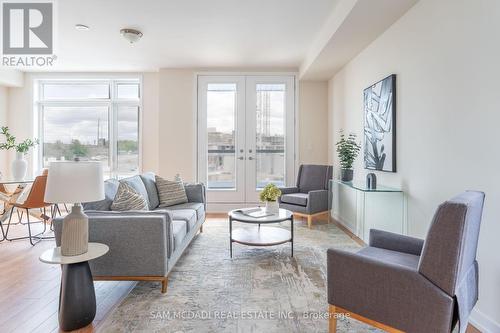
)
(3, 192)
(34, 200)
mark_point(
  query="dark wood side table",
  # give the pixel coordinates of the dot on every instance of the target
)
(77, 304)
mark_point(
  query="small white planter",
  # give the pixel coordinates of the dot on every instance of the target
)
(272, 207)
(19, 167)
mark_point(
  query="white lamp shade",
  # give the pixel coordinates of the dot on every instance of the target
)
(74, 182)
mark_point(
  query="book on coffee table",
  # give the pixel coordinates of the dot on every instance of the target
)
(253, 212)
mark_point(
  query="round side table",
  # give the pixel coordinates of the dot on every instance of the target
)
(77, 305)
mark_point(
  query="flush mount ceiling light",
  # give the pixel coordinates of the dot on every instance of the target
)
(81, 27)
(131, 35)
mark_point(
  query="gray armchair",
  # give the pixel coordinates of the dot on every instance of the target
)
(400, 283)
(309, 198)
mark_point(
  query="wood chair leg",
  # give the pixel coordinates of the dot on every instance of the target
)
(332, 319)
(164, 284)
(309, 221)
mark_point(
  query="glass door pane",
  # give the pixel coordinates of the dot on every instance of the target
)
(270, 135)
(270, 114)
(221, 137)
(221, 127)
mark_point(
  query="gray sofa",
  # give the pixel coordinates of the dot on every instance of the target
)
(143, 245)
(408, 284)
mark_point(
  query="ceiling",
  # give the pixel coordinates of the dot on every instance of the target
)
(314, 37)
(187, 33)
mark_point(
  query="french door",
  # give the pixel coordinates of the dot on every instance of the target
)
(245, 135)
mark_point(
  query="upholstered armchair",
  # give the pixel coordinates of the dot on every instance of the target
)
(309, 198)
(405, 284)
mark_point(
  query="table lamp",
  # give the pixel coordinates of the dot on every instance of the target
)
(74, 182)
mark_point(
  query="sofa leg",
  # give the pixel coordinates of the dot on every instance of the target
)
(309, 221)
(332, 319)
(164, 284)
(201, 229)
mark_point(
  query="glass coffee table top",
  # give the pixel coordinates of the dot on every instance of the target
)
(281, 216)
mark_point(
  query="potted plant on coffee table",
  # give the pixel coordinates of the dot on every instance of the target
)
(348, 149)
(270, 195)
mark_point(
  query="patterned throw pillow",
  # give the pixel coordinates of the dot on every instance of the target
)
(170, 192)
(128, 199)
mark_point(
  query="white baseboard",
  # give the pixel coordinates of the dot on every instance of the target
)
(483, 323)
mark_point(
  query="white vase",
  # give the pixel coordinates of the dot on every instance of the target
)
(272, 207)
(19, 167)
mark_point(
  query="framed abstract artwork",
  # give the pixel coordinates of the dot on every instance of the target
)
(379, 104)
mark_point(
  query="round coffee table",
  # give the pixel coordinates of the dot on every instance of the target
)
(265, 236)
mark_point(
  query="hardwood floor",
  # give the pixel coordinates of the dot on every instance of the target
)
(29, 289)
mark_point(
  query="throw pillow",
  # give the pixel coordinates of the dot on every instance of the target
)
(170, 192)
(138, 185)
(128, 199)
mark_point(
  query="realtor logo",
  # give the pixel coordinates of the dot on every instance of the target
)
(27, 28)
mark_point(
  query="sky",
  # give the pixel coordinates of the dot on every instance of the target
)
(221, 109)
(68, 123)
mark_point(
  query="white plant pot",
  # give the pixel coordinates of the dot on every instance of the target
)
(272, 207)
(19, 167)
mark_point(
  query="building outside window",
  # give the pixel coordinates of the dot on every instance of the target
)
(91, 120)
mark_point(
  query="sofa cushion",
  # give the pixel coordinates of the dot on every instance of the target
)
(128, 198)
(137, 184)
(179, 230)
(188, 215)
(299, 199)
(170, 192)
(149, 181)
(198, 207)
(110, 189)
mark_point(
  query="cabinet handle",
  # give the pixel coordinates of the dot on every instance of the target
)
(250, 158)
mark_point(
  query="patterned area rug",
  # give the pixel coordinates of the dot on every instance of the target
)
(261, 289)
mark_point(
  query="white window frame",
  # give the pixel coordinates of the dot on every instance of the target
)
(112, 103)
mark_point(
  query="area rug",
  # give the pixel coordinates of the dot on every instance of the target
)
(261, 289)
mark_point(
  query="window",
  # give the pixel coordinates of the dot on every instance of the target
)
(95, 120)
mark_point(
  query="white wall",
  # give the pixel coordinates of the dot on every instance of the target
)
(150, 124)
(313, 125)
(3, 122)
(445, 54)
(177, 121)
(11, 77)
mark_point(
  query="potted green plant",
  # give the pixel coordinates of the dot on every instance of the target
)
(19, 165)
(348, 149)
(270, 195)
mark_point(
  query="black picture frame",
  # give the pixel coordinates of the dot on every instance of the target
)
(379, 113)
